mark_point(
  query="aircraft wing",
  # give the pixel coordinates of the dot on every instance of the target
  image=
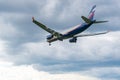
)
(94, 34)
(45, 28)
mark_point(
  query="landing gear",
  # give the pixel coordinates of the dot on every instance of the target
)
(49, 44)
(73, 40)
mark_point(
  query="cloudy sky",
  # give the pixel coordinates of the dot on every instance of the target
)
(25, 54)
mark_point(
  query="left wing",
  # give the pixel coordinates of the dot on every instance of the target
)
(84, 35)
(46, 28)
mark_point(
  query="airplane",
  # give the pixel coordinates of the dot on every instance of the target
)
(72, 35)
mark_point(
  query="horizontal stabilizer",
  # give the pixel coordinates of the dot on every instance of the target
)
(89, 21)
(86, 19)
(100, 22)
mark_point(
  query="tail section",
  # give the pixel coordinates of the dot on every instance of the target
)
(92, 13)
(91, 17)
(89, 20)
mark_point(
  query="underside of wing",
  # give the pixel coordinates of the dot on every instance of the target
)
(94, 34)
(46, 28)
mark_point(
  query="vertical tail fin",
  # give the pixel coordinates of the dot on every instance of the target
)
(91, 13)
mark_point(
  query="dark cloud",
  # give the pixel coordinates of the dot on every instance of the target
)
(76, 66)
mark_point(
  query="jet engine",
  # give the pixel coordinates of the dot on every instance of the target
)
(73, 40)
(49, 37)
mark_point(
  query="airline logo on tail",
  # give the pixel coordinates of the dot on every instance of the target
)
(91, 13)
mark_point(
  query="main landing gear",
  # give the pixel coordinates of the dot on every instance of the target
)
(49, 44)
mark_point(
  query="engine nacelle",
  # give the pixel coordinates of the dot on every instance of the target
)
(49, 37)
(73, 40)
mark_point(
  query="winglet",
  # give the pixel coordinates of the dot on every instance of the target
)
(33, 18)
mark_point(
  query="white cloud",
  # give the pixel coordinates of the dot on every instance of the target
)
(73, 9)
(59, 56)
(7, 29)
(49, 8)
(105, 73)
(97, 48)
(102, 47)
(9, 72)
(3, 49)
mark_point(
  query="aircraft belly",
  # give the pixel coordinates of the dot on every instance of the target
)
(52, 40)
(76, 31)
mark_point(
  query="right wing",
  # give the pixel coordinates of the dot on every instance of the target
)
(85, 35)
(46, 28)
